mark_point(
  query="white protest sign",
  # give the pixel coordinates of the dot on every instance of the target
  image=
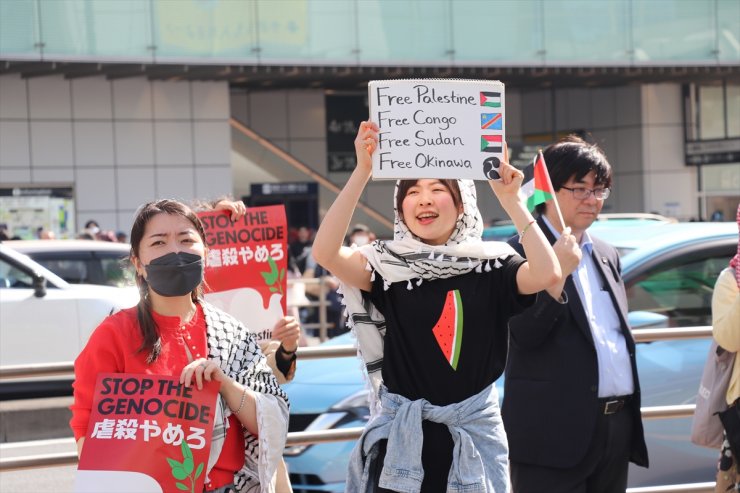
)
(437, 128)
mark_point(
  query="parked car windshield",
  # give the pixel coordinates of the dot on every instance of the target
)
(12, 277)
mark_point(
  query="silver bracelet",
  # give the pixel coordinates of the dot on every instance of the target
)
(526, 228)
(241, 404)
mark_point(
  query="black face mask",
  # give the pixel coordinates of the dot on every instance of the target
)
(175, 274)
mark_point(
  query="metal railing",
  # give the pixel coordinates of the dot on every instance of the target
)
(323, 324)
(346, 434)
(306, 353)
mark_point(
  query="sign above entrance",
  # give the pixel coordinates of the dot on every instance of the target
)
(713, 151)
(437, 128)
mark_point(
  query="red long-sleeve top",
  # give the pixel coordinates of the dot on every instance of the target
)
(114, 348)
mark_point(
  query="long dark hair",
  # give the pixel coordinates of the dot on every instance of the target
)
(404, 185)
(152, 343)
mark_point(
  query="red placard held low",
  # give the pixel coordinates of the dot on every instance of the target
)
(147, 433)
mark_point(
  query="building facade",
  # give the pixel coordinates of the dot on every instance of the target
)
(106, 104)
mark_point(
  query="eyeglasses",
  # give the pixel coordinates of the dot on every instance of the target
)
(581, 193)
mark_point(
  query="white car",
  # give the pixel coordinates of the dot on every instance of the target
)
(44, 319)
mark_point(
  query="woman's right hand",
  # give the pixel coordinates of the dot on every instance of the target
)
(202, 369)
(365, 144)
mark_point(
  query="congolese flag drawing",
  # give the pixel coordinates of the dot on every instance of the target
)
(536, 186)
(491, 121)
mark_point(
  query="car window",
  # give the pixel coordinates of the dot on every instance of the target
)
(118, 272)
(74, 271)
(12, 277)
(102, 268)
(681, 290)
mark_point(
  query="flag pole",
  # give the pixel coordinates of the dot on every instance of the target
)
(554, 197)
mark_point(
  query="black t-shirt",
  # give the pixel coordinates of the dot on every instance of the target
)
(415, 364)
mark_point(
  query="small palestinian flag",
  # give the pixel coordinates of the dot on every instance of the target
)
(492, 99)
(491, 121)
(491, 143)
(536, 185)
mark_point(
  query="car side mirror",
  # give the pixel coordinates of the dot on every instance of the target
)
(39, 286)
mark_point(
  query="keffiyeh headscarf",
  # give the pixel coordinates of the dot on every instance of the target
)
(408, 259)
(735, 262)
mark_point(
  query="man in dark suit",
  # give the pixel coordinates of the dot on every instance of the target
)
(572, 395)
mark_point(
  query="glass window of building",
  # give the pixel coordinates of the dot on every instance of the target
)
(712, 111)
(712, 116)
(720, 191)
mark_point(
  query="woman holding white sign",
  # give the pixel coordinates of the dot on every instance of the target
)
(430, 312)
(172, 331)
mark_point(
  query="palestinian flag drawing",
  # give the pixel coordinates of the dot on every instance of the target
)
(491, 121)
(536, 185)
(492, 99)
(491, 143)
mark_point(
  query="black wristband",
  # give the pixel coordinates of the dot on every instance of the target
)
(285, 361)
(282, 349)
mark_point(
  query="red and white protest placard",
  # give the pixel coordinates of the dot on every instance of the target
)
(246, 266)
(147, 433)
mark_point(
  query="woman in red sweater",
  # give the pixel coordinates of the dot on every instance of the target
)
(172, 331)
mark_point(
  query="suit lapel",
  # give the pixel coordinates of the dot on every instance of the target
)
(577, 311)
(574, 300)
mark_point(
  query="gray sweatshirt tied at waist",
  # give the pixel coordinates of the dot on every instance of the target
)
(480, 457)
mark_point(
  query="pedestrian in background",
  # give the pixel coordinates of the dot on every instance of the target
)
(572, 406)
(436, 423)
(360, 235)
(172, 331)
(332, 298)
(726, 330)
(300, 248)
(92, 228)
(46, 234)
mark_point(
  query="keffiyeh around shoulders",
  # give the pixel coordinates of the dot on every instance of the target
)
(407, 259)
(237, 352)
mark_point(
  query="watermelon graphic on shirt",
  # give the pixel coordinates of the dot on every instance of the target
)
(449, 328)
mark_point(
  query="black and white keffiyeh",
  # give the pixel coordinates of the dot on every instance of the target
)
(237, 353)
(407, 259)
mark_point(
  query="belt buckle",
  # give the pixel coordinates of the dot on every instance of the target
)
(612, 407)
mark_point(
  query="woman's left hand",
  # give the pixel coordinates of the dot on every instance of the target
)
(287, 330)
(511, 179)
(236, 208)
(199, 370)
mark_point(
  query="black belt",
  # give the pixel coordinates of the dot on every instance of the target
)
(611, 405)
